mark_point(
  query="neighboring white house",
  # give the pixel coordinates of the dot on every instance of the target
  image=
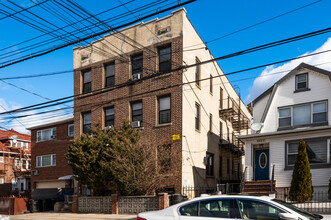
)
(296, 107)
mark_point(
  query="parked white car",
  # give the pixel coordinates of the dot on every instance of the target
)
(230, 207)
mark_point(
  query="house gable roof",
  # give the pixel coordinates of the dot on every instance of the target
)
(296, 69)
(7, 135)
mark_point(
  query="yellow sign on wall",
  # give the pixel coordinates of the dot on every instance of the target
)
(175, 137)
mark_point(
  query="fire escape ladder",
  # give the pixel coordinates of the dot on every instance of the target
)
(239, 121)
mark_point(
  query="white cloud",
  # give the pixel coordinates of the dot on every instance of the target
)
(271, 74)
(29, 121)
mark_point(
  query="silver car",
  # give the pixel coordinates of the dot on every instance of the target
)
(230, 207)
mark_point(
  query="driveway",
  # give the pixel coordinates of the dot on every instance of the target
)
(67, 216)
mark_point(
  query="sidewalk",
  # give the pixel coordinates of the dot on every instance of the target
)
(69, 216)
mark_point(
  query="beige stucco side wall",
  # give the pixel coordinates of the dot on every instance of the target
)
(120, 43)
(197, 143)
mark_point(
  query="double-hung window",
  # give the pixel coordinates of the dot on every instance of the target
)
(319, 112)
(87, 81)
(47, 134)
(164, 109)
(299, 115)
(137, 66)
(71, 130)
(109, 116)
(301, 81)
(197, 71)
(46, 160)
(86, 122)
(210, 164)
(164, 59)
(211, 84)
(137, 113)
(318, 151)
(110, 75)
(197, 116)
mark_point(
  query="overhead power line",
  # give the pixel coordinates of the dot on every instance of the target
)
(103, 90)
(25, 9)
(98, 34)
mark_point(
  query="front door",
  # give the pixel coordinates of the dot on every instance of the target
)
(261, 164)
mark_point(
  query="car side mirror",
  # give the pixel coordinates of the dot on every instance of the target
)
(287, 216)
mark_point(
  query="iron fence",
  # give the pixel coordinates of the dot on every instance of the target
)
(319, 202)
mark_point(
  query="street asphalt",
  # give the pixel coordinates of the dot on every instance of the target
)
(67, 216)
(75, 216)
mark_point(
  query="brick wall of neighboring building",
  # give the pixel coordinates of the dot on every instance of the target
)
(58, 146)
(152, 133)
(8, 170)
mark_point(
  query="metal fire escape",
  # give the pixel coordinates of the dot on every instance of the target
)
(231, 111)
(19, 169)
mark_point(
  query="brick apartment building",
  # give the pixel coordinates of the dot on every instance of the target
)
(15, 152)
(205, 116)
(49, 144)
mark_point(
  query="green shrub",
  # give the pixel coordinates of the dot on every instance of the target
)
(301, 186)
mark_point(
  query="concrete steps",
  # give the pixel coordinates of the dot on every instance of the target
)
(258, 187)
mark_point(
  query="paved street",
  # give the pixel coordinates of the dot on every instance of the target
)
(74, 216)
(67, 216)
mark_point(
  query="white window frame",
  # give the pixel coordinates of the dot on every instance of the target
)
(2, 180)
(25, 145)
(12, 143)
(73, 132)
(311, 113)
(40, 158)
(53, 133)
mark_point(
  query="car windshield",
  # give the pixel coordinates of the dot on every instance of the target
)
(296, 209)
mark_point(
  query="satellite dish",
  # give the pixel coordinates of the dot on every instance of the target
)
(256, 126)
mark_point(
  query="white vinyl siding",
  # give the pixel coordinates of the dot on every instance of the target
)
(45, 135)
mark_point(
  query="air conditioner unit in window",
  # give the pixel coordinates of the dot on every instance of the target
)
(136, 76)
(53, 136)
(35, 172)
(136, 124)
(108, 127)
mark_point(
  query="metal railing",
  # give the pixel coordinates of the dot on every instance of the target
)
(319, 203)
(272, 179)
(243, 180)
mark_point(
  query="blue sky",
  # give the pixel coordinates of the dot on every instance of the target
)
(211, 19)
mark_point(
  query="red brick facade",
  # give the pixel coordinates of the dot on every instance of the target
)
(152, 133)
(58, 146)
(8, 154)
